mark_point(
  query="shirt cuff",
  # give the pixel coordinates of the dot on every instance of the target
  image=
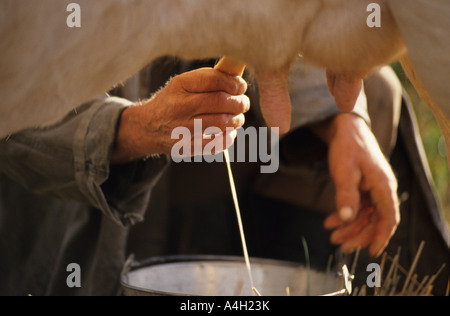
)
(120, 192)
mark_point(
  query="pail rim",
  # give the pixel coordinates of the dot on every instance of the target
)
(133, 265)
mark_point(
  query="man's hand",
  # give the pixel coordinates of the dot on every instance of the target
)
(214, 97)
(366, 188)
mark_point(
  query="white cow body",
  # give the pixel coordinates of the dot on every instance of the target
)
(47, 68)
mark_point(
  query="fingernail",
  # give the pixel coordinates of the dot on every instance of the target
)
(346, 213)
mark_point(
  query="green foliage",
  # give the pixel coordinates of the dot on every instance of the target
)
(433, 142)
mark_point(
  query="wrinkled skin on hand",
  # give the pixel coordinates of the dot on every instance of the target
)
(216, 98)
(366, 188)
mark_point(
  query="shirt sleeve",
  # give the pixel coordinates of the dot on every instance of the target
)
(311, 100)
(70, 160)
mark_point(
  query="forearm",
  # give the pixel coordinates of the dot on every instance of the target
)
(128, 145)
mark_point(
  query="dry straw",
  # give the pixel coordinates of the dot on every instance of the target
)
(391, 283)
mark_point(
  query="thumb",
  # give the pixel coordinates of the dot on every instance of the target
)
(347, 195)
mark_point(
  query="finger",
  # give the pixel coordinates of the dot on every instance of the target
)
(216, 103)
(345, 232)
(229, 138)
(375, 232)
(388, 221)
(347, 181)
(215, 123)
(210, 80)
(383, 234)
(345, 89)
(199, 104)
(375, 226)
(333, 221)
(360, 240)
(213, 144)
(217, 143)
(385, 200)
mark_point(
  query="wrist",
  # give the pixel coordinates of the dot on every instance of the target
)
(132, 140)
(333, 127)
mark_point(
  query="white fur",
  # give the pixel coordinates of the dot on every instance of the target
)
(47, 68)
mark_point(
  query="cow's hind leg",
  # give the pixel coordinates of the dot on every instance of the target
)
(443, 121)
